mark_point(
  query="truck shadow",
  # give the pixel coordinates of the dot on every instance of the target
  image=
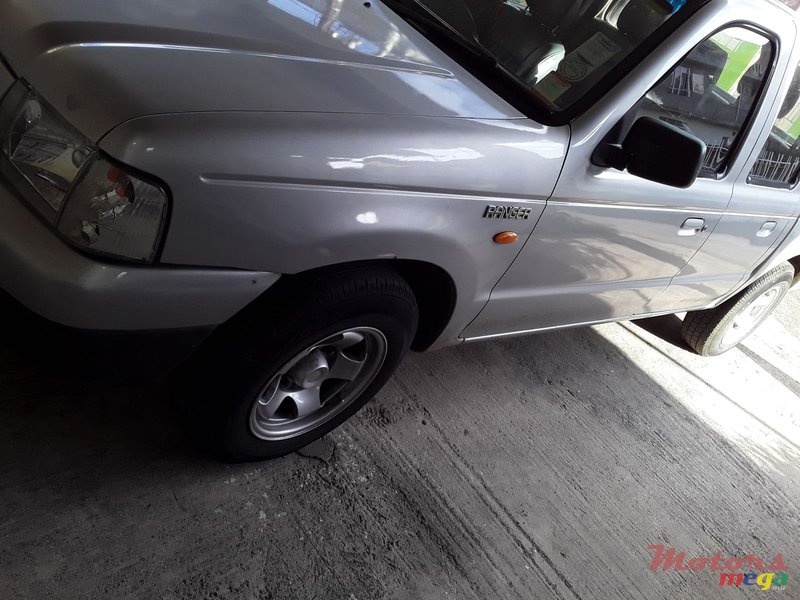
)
(666, 327)
(51, 422)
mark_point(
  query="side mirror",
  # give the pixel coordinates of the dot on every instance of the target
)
(656, 151)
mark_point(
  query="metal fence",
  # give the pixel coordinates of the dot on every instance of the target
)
(776, 166)
(715, 156)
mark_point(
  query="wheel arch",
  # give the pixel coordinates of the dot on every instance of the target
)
(795, 262)
(435, 291)
(433, 287)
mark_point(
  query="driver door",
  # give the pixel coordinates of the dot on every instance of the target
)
(608, 243)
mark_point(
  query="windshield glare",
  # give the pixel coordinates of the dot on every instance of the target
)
(557, 48)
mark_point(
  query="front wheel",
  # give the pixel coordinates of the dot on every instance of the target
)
(292, 369)
(717, 330)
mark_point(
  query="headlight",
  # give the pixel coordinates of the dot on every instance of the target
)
(98, 206)
(44, 151)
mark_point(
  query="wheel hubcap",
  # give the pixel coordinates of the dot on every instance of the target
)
(752, 316)
(318, 383)
(310, 371)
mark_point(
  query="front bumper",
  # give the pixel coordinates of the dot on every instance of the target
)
(67, 288)
(99, 355)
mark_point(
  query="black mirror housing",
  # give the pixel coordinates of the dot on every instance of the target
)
(656, 151)
(663, 153)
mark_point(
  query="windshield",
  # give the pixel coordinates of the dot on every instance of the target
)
(558, 49)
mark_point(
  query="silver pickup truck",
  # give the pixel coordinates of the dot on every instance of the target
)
(285, 196)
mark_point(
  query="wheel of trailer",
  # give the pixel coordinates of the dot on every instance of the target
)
(297, 365)
(717, 330)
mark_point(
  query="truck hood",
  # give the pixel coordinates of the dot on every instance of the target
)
(102, 62)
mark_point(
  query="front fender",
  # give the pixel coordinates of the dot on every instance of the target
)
(287, 193)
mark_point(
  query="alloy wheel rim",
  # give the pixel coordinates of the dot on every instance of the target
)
(318, 383)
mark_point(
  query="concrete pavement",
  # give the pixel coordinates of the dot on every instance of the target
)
(538, 467)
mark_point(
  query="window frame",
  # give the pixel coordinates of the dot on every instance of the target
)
(617, 74)
(765, 183)
(746, 130)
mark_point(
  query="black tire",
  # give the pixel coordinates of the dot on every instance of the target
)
(220, 385)
(706, 330)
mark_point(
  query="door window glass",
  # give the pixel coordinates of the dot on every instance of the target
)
(712, 92)
(779, 161)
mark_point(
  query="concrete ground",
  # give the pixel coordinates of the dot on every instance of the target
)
(537, 467)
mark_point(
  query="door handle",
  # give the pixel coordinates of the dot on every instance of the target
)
(692, 226)
(767, 229)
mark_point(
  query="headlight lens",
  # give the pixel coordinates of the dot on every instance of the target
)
(115, 213)
(102, 208)
(44, 151)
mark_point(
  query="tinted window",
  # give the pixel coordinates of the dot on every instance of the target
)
(712, 92)
(779, 161)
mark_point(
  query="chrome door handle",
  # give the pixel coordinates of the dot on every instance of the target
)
(767, 229)
(692, 226)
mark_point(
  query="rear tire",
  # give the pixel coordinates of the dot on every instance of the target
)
(715, 331)
(296, 365)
